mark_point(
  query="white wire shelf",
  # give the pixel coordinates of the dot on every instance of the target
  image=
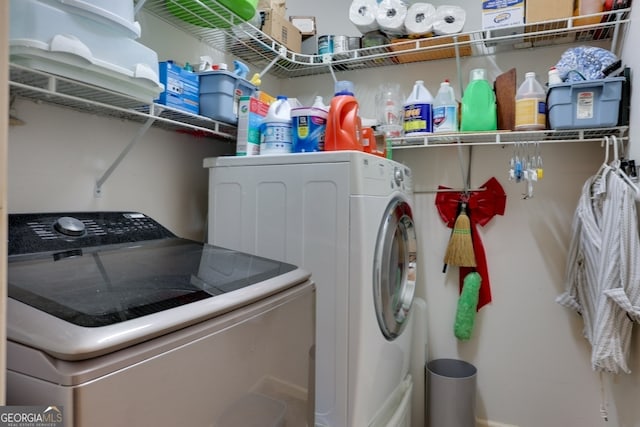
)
(250, 44)
(40, 86)
(509, 137)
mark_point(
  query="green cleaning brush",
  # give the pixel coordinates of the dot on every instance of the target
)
(467, 305)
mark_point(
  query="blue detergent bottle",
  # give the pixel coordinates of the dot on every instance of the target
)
(418, 115)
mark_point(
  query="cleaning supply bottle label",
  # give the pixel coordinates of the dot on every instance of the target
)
(276, 138)
(445, 118)
(308, 132)
(417, 118)
(530, 112)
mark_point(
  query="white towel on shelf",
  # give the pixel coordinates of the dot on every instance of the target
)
(419, 19)
(390, 16)
(449, 20)
(362, 14)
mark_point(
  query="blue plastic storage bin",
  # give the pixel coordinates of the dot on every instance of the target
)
(220, 93)
(586, 104)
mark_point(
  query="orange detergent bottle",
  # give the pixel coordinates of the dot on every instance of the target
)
(344, 126)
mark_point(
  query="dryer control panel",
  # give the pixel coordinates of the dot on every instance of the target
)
(397, 177)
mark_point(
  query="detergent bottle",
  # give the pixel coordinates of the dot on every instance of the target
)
(445, 109)
(276, 128)
(309, 127)
(344, 126)
(479, 111)
(531, 106)
(418, 116)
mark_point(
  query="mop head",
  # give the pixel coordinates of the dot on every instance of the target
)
(467, 306)
(460, 248)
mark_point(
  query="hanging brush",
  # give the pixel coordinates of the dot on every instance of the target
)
(460, 247)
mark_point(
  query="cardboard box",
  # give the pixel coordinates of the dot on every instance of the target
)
(281, 30)
(181, 88)
(502, 13)
(547, 10)
(278, 6)
(306, 25)
(398, 45)
(251, 112)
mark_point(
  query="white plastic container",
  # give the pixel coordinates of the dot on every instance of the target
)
(554, 77)
(531, 107)
(445, 109)
(46, 37)
(117, 13)
(418, 116)
(276, 136)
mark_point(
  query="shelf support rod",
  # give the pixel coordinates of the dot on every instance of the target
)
(138, 7)
(100, 181)
(281, 54)
(458, 66)
(616, 30)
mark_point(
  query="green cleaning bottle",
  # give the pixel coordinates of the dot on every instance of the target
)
(478, 104)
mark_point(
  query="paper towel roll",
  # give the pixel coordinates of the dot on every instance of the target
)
(449, 20)
(419, 19)
(362, 14)
(390, 16)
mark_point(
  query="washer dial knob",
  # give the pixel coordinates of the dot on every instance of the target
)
(69, 226)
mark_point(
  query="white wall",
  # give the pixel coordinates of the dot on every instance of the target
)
(533, 363)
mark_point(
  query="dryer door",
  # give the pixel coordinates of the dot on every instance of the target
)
(394, 274)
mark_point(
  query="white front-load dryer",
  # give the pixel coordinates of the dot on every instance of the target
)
(346, 217)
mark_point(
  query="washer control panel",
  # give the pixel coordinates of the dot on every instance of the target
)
(43, 232)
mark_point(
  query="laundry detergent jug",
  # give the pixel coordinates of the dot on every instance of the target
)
(344, 126)
(479, 110)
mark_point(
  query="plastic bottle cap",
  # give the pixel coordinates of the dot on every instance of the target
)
(478, 74)
(281, 97)
(344, 87)
(419, 82)
(530, 74)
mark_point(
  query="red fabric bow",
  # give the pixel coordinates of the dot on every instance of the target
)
(481, 207)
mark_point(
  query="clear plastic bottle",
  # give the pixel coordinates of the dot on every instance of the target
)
(445, 109)
(390, 110)
(479, 111)
(418, 115)
(531, 107)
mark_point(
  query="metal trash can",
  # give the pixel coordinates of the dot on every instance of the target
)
(451, 393)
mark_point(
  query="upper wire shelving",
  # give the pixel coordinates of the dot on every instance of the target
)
(40, 86)
(246, 42)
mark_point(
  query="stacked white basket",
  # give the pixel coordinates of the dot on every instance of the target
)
(92, 41)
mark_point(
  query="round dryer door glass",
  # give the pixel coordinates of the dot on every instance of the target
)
(394, 275)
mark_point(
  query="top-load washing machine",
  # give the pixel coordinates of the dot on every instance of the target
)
(115, 321)
(346, 217)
